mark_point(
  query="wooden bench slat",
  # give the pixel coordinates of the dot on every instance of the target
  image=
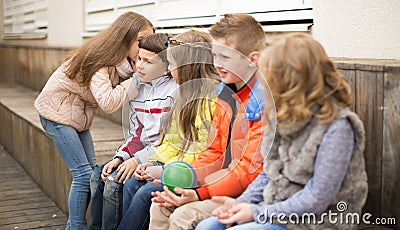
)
(10, 214)
(23, 205)
(37, 154)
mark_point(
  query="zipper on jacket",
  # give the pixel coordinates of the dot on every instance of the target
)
(84, 112)
(62, 101)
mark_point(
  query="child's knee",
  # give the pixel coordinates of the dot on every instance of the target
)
(157, 212)
(179, 216)
(83, 176)
(131, 185)
(112, 185)
(96, 174)
(209, 223)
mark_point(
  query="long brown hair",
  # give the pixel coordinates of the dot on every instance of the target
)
(302, 77)
(197, 78)
(107, 49)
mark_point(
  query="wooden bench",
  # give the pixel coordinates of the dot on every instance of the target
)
(23, 205)
(24, 138)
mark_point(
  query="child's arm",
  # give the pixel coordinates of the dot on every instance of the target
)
(254, 193)
(196, 147)
(169, 147)
(211, 159)
(168, 151)
(144, 154)
(239, 174)
(128, 149)
(330, 168)
(108, 97)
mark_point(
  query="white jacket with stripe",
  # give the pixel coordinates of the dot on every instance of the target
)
(146, 114)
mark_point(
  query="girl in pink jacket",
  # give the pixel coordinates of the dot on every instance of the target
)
(96, 75)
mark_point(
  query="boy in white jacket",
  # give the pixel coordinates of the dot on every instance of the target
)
(147, 110)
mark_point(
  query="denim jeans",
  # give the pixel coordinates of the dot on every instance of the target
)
(212, 223)
(106, 207)
(77, 151)
(136, 204)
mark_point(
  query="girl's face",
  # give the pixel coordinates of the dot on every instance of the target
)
(149, 66)
(173, 68)
(134, 49)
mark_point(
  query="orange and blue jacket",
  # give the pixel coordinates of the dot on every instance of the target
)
(232, 159)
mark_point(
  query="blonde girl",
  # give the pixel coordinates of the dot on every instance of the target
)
(185, 131)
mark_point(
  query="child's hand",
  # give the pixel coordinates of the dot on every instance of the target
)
(223, 210)
(138, 173)
(109, 167)
(126, 170)
(140, 170)
(240, 214)
(170, 199)
(152, 172)
(157, 197)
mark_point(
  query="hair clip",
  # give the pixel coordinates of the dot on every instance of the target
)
(167, 42)
(171, 41)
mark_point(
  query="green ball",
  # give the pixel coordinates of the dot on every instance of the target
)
(178, 174)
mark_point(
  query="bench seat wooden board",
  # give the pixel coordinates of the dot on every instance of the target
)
(24, 138)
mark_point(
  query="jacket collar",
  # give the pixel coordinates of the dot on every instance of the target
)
(256, 103)
(242, 93)
(156, 82)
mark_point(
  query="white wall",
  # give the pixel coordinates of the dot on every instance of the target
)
(358, 28)
(66, 22)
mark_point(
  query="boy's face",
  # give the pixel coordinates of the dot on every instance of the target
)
(149, 66)
(233, 67)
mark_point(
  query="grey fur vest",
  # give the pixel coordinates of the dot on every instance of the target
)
(290, 165)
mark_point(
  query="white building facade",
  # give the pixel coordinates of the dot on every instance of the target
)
(351, 29)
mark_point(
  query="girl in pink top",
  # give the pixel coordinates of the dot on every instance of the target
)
(97, 74)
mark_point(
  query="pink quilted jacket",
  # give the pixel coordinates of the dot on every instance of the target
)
(64, 101)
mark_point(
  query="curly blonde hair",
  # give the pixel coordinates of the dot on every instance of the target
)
(302, 77)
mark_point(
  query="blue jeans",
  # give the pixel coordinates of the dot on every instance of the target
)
(77, 151)
(136, 204)
(106, 208)
(212, 223)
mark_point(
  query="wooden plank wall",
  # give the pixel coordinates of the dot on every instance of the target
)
(376, 88)
(31, 66)
(391, 144)
(8, 58)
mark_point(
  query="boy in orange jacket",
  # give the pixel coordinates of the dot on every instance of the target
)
(232, 159)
